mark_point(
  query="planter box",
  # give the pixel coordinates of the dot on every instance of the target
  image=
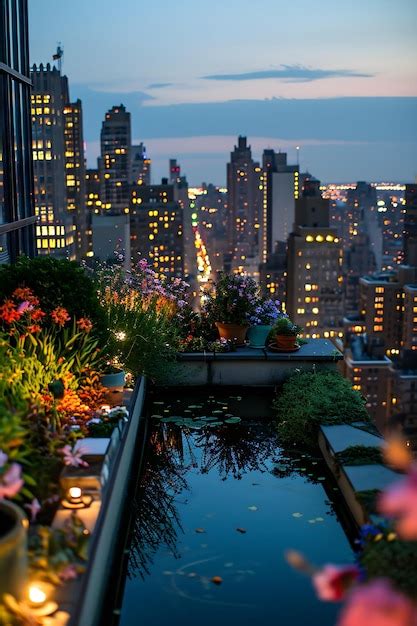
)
(251, 366)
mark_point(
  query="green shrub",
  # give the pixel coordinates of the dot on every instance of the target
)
(310, 399)
(398, 558)
(368, 499)
(56, 282)
(360, 455)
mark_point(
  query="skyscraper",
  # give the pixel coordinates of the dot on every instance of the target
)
(314, 285)
(156, 224)
(56, 230)
(16, 181)
(244, 204)
(115, 162)
(75, 174)
(280, 191)
(410, 225)
(140, 165)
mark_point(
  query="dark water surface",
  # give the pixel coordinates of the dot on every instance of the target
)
(200, 486)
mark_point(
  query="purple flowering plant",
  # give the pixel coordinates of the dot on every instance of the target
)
(233, 300)
(266, 313)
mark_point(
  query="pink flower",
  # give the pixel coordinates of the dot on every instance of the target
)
(400, 501)
(11, 482)
(74, 458)
(333, 581)
(68, 573)
(34, 507)
(378, 604)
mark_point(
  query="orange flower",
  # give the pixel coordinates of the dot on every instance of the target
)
(8, 312)
(34, 328)
(60, 316)
(36, 315)
(84, 324)
(24, 293)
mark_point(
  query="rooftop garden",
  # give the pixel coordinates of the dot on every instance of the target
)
(73, 340)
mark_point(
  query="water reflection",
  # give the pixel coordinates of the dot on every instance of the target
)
(171, 452)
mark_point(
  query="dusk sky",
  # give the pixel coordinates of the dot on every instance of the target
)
(338, 79)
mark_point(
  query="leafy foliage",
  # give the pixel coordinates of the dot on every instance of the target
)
(398, 558)
(360, 455)
(284, 326)
(310, 399)
(56, 282)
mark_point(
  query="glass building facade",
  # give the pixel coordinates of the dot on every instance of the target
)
(16, 177)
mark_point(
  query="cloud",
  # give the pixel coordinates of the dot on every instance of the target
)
(291, 74)
(159, 85)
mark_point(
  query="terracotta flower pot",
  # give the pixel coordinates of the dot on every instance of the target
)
(286, 342)
(13, 549)
(233, 332)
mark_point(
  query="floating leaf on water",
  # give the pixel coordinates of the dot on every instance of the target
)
(217, 580)
(252, 508)
(158, 403)
(167, 573)
(208, 418)
(228, 564)
(314, 463)
(156, 417)
(311, 521)
(233, 420)
(169, 420)
(217, 412)
(280, 467)
(192, 575)
(194, 406)
(319, 519)
(200, 530)
(321, 478)
(242, 531)
(215, 424)
(297, 514)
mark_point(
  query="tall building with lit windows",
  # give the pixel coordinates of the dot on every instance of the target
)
(244, 177)
(314, 281)
(280, 190)
(115, 161)
(56, 229)
(16, 181)
(75, 174)
(140, 165)
(156, 227)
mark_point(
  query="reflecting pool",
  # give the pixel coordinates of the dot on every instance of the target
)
(219, 503)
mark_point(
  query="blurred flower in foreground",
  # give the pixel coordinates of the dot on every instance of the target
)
(378, 604)
(333, 581)
(397, 454)
(400, 501)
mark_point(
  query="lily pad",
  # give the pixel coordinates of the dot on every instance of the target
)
(252, 508)
(217, 412)
(233, 420)
(297, 514)
(200, 530)
(156, 417)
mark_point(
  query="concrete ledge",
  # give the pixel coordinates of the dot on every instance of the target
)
(352, 479)
(91, 600)
(247, 366)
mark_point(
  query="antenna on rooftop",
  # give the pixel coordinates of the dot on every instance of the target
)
(59, 55)
(298, 155)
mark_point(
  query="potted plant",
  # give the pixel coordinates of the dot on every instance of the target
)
(286, 333)
(13, 549)
(113, 377)
(231, 305)
(266, 314)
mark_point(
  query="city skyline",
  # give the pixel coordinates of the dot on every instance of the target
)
(357, 65)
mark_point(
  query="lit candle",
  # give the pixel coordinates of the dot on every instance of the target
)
(74, 494)
(37, 596)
